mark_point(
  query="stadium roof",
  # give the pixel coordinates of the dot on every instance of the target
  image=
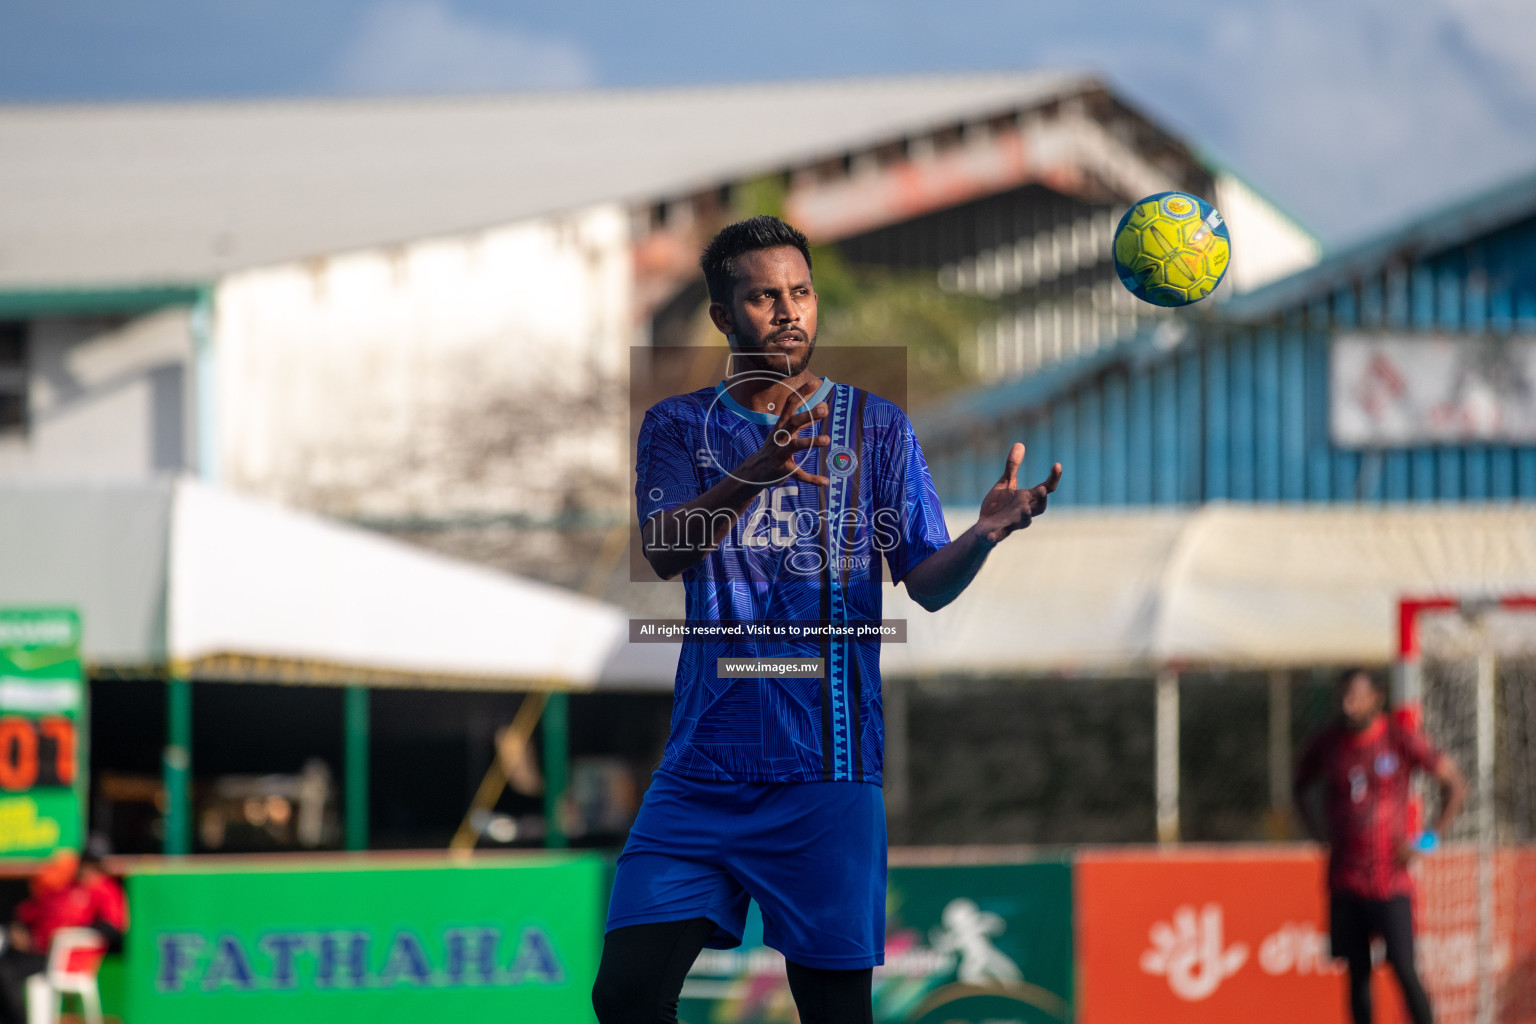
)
(131, 195)
(1458, 223)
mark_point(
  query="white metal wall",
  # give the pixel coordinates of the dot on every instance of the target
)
(1266, 244)
(109, 399)
(478, 374)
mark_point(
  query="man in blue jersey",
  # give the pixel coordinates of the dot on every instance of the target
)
(776, 495)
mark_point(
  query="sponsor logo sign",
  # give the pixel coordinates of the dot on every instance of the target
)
(1205, 937)
(510, 939)
(982, 943)
(1396, 390)
(1242, 935)
(42, 694)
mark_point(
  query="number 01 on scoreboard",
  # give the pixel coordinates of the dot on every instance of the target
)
(41, 704)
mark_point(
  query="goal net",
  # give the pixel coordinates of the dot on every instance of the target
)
(1468, 667)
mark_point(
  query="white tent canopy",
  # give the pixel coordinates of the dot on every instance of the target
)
(183, 574)
(1222, 586)
(220, 585)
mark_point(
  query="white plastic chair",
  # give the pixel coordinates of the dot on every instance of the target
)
(73, 961)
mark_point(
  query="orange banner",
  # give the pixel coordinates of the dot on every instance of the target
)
(1241, 934)
(1213, 936)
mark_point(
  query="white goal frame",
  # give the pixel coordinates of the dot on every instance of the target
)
(1407, 698)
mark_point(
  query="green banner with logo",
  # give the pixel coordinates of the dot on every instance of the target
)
(42, 698)
(964, 944)
(511, 939)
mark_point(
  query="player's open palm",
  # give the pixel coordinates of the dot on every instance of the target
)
(1006, 507)
(777, 459)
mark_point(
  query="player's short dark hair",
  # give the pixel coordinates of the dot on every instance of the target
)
(763, 232)
(1347, 676)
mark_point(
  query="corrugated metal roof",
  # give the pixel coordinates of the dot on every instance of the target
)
(1426, 237)
(1447, 227)
(1241, 402)
(119, 195)
(991, 403)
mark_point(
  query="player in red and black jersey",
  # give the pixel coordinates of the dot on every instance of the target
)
(1365, 761)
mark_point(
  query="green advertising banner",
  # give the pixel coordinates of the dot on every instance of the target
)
(42, 696)
(965, 944)
(513, 939)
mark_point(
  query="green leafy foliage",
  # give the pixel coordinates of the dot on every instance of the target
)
(880, 306)
(877, 307)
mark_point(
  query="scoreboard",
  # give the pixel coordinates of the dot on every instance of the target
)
(42, 698)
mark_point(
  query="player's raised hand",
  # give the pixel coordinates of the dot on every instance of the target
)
(1007, 508)
(776, 459)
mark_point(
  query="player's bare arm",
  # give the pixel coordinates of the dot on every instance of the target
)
(1306, 808)
(1453, 793)
(943, 576)
(674, 539)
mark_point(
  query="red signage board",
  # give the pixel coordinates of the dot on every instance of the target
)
(1214, 935)
(1209, 937)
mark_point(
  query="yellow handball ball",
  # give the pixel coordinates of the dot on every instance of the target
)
(1172, 249)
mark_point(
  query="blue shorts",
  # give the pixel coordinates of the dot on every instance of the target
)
(812, 854)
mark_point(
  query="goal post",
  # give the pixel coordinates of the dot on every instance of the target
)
(1466, 674)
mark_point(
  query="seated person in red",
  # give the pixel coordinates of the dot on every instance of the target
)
(69, 892)
(107, 909)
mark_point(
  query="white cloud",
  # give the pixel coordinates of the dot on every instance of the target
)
(1353, 113)
(1376, 116)
(424, 46)
(1504, 30)
(1356, 114)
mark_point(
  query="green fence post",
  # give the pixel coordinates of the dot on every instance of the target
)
(178, 766)
(556, 761)
(357, 723)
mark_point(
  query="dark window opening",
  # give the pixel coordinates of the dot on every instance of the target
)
(13, 377)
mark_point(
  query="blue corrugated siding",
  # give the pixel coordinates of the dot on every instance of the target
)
(1090, 447)
(1116, 442)
(1139, 473)
(1239, 412)
(1218, 456)
(1241, 407)
(1064, 435)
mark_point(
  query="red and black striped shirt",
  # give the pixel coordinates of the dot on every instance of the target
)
(1366, 777)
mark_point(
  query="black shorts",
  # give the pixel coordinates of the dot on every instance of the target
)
(1354, 920)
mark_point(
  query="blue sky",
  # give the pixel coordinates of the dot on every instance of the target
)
(1351, 113)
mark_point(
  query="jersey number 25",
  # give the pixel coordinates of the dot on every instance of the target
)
(781, 533)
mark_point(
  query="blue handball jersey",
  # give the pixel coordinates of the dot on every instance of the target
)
(800, 552)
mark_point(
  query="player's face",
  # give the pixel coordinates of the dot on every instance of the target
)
(1360, 701)
(773, 310)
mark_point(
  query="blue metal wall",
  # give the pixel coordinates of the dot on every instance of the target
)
(1238, 410)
